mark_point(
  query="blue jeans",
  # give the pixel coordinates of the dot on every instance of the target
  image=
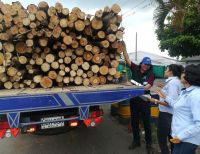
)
(184, 148)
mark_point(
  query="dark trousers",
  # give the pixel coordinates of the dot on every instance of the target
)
(137, 106)
(184, 148)
(163, 131)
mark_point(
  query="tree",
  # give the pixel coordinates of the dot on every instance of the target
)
(178, 27)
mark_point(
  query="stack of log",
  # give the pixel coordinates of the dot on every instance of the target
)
(50, 46)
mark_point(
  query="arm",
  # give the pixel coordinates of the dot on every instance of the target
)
(158, 102)
(150, 82)
(194, 128)
(169, 100)
(128, 61)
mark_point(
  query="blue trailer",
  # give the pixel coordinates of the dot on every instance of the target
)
(37, 110)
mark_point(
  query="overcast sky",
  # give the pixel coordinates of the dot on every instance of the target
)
(137, 17)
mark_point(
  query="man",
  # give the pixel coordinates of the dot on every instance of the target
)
(143, 74)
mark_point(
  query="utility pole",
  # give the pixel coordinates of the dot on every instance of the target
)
(136, 47)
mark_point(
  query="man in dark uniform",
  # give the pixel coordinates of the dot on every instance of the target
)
(143, 74)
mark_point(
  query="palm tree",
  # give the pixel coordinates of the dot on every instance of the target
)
(174, 9)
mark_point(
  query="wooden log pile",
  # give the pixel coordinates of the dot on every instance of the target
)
(47, 46)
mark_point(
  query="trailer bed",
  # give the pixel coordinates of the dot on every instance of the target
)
(14, 102)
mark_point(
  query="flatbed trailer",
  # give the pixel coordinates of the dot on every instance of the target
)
(57, 106)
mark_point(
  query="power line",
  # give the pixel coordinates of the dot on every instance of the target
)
(143, 7)
(134, 7)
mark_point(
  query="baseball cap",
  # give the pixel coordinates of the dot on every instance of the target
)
(146, 61)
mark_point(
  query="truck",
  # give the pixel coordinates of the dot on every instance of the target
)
(52, 110)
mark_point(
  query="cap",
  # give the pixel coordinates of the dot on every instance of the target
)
(146, 61)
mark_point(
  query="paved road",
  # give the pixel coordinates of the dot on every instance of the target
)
(108, 138)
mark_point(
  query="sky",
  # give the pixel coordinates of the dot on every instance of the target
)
(137, 17)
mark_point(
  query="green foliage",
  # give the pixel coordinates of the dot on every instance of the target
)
(183, 42)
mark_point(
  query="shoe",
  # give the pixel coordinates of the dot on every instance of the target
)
(150, 149)
(133, 145)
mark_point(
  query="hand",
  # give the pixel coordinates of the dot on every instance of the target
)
(160, 93)
(160, 85)
(175, 140)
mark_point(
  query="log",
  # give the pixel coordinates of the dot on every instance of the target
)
(86, 82)
(96, 59)
(58, 7)
(103, 70)
(50, 58)
(85, 66)
(84, 75)
(62, 66)
(39, 61)
(79, 72)
(45, 67)
(2, 69)
(52, 75)
(57, 31)
(90, 74)
(8, 85)
(99, 14)
(102, 80)
(79, 25)
(63, 23)
(117, 75)
(72, 73)
(67, 69)
(46, 82)
(79, 51)
(74, 44)
(119, 35)
(112, 71)
(66, 79)
(109, 77)
(16, 85)
(29, 42)
(78, 80)
(65, 11)
(67, 60)
(1, 58)
(74, 67)
(68, 52)
(59, 78)
(95, 49)
(95, 68)
(105, 44)
(67, 40)
(55, 65)
(101, 34)
(21, 47)
(43, 6)
(32, 8)
(12, 71)
(61, 73)
(8, 47)
(41, 15)
(111, 38)
(43, 42)
(96, 23)
(115, 8)
(79, 61)
(37, 78)
(87, 56)
(94, 80)
(83, 41)
(114, 63)
(61, 54)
